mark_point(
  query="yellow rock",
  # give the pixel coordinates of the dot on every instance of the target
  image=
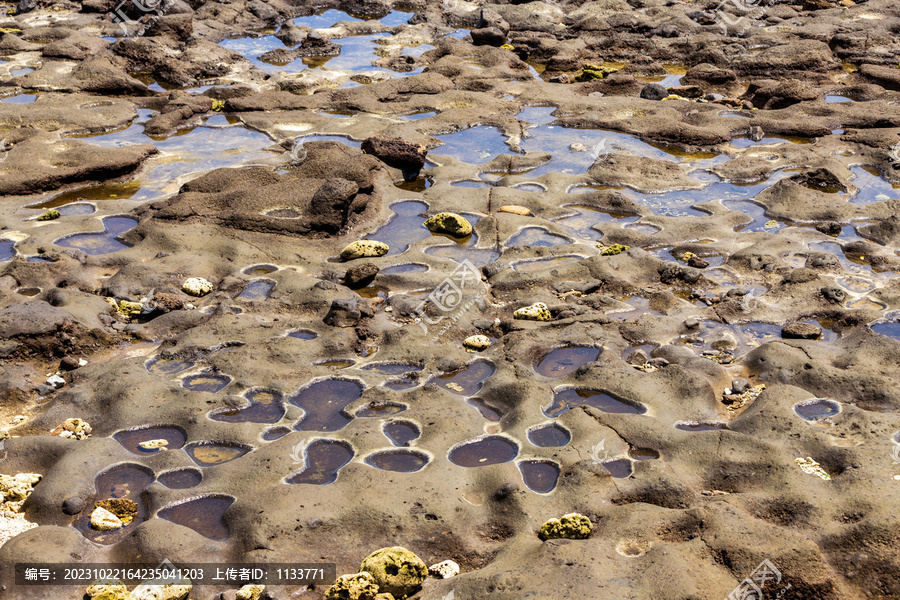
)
(449, 223)
(536, 312)
(515, 209)
(196, 286)
(477, 343)
(364, 249)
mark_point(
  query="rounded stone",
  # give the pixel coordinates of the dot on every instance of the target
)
(536, 312)
(73, 505)
(364, 249)
(449, 223)
(572, 526)
(396, 570)
(357, 586)
(477, 343)
(196, 286)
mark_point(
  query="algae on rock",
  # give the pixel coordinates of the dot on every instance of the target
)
(196, 286)
(357, 586)
(364, 249)
(572, 526)
(396, 570)
(536, 312)
(449, 223)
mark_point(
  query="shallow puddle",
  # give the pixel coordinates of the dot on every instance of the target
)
(565, 361)
(465, 381)
(187, 151)
(123, 481)
(274, 433)
(252, 48)
(551, 435)
(401, 433)
(399, 461)
(303, 334)
(20, 99)
(101, 243)
(257, 290)
(892, 330)
(324, 403)
(265, 407)
(324, 458)
(620, 468)
(569, 398)
(404, 228)
(205, 515)
(98, 193)
(131, 439)
(488, 412)
(324, 20)
(760, 222)
(30, 291)
(597, 144)
(480, 452)
(206, 382)
(7, 250)
(537, 236)
(818, 408)
(643, 453)
(207, 454)
(539, 476)
(475, 146)
(407, 268)
(471, 183)
(181, 479)
(872, 188)
(357, 54)
(587, 218)
(126, 481)
(262, 269)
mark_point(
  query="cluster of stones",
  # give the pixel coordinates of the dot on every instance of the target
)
(389, 574)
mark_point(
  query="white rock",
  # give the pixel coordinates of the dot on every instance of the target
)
(170, 591)
(103, 520)
(159, 444)
(250, 591)
(444, 570)
(477, 343)
(536, 312)
(196, 286)
(56, 381)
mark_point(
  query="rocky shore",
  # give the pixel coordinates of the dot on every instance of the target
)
(521, 300)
